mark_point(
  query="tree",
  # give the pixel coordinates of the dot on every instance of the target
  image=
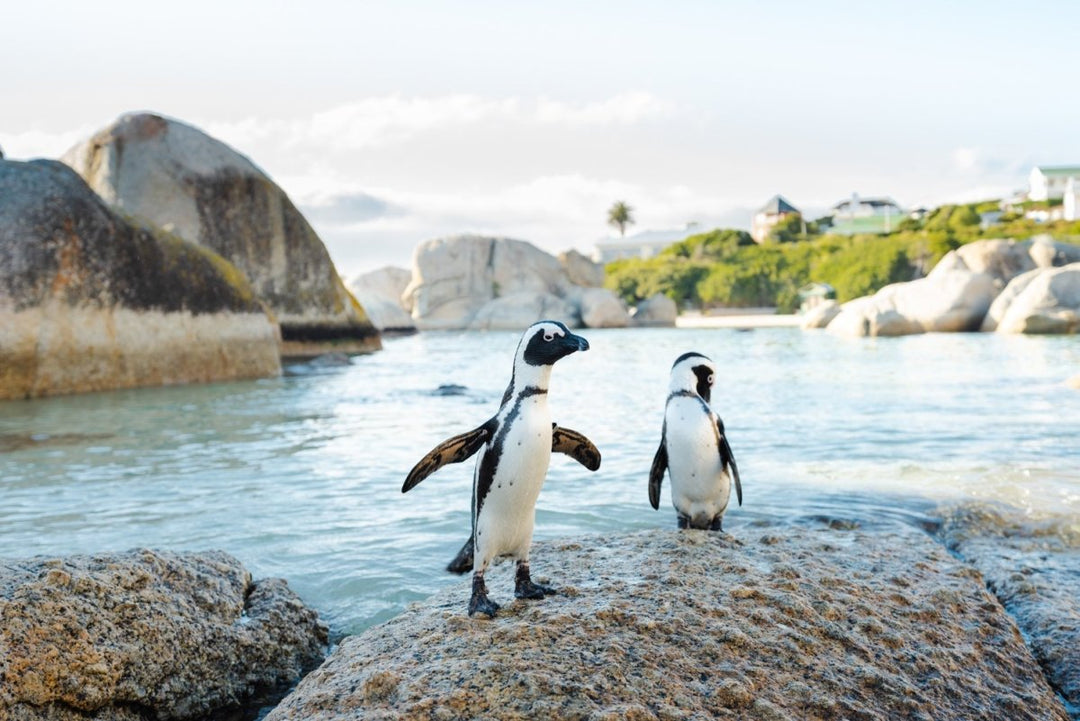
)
(620, 215)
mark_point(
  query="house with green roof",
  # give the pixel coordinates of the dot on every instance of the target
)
(1048, 182)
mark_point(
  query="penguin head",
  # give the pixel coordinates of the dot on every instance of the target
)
(547, 341)
(693, 372)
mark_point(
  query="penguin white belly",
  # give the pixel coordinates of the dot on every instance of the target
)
(505, 522)
(699, 485)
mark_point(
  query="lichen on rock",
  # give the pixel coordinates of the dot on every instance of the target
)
(821, 624)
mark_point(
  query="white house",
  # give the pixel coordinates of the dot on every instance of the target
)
(1071, 199)
(645, 244)
(1048, 181)
(769, 215)
(857, 207)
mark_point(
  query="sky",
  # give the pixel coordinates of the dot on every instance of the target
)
(392, 123)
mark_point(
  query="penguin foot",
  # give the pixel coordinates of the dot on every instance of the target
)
(717, 524)
(463, 561)
(524, 586)
(479, 600)
(682, 522)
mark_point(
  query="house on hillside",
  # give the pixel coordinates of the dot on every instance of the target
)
(1047, 182)
(645, 244)
(769, 215)
(866, 215)
(1071, 200)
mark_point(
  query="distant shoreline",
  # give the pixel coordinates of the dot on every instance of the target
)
(739, 318)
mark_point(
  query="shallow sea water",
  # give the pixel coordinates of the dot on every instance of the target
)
(300, 476)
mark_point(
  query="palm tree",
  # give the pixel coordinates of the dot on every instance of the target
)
(620, 215)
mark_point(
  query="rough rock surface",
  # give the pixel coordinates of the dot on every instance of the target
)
(581, 270)
(145, 634)
(661, 624)
(659, 310)
(1045, 300)
(90, 301)
(380, 292)
(455, 279)
(180, 179)
(947, 300)
(1006, 259)
(601, 308)
(1033, 567)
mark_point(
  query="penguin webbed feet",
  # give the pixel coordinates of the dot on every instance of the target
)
(524, 586)
(463, 561)
(683, 522)
(479, 600)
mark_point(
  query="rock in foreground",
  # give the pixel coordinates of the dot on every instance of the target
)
(1033, 567)
(145, 634)
(812, 624)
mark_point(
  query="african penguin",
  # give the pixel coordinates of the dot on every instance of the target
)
(694, 449)
(515, 449)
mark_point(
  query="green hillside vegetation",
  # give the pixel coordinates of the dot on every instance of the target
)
(726, 268)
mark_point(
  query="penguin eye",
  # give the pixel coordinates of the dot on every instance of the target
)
(712, 379)
(549, 336)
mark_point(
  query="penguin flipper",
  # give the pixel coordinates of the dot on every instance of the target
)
(727, 458)
(656, 474)
(452, 450)
(575, 445)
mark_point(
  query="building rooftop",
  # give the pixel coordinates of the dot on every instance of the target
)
(1058, 171)
(778, 204)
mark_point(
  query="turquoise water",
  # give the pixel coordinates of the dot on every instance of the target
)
(300, 476)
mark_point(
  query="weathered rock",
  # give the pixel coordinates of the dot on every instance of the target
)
(380, 293)
(520, 310)
(600, 308)
(180, 179)
(581, 270)
(90, 301)
(1031, 566)
(1045, 300)
(659, 310)
(821, 315)
(146, 634)
(455, 279)
(948, 300)
(670, 625)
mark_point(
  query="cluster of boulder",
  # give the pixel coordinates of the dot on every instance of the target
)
(155, 254)
(989, 285)
(481, 283)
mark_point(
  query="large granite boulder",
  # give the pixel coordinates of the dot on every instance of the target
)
(658, 310)
(824, 623)
(455, 279)
(820, 315)
(380, 293)
(601, 308)
(582, 270)
(146, 634)
(90, 300)
(1031, 564)
(180, 179)
(1044, 300)
(947, 300)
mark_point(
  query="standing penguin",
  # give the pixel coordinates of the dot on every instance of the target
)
(693, 448)
(516, 449)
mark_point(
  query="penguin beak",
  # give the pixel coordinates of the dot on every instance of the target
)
(577, 342)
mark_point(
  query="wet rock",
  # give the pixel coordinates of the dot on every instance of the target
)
(658, 310)
(380, 292)
(1031, 565)
(93, 300)
(184, 181)
(1045, 300)
(664, 624)
(146, 634)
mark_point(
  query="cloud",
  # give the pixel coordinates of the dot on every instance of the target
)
(379, 121)
(42, 144)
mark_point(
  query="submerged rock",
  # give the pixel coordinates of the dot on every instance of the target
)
(90, 300)
(671, 625)
(1033, 567)
(181, 179)
(146, 634)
